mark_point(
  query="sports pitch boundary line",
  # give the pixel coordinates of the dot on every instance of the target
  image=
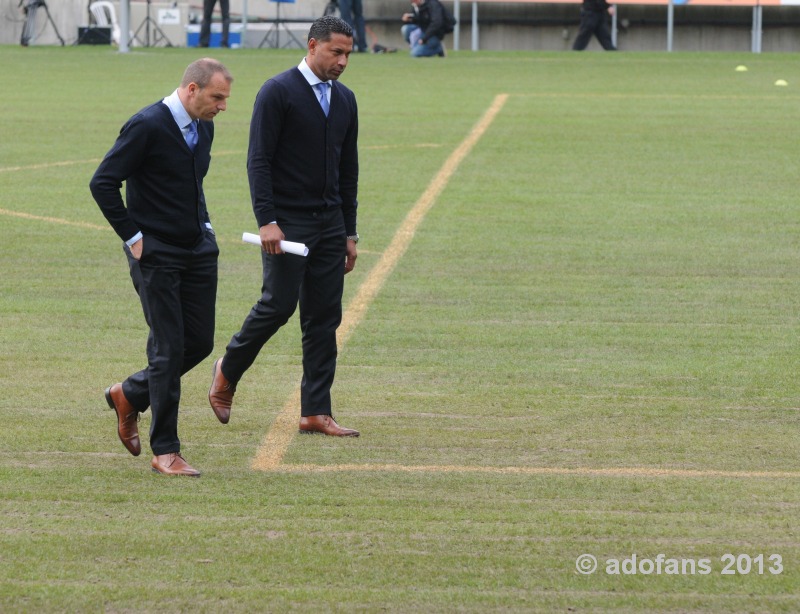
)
(277, 440)
(611, 472)
(36, 167)
(51, 220)
(57, 220)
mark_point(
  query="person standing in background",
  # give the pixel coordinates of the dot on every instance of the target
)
(163, 154)
(594, 22)
(352, 12)
(208, 13)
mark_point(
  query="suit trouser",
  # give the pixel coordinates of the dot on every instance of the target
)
(593, 23)
(177, 287)
(352, 12)
(205, 25)
(317, 282)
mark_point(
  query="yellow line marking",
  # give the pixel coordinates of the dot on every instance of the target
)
(270, 455)
(51, 220)
(36, 167)
(48, 165)
(644, 472)
(56, 220)
(414, 146)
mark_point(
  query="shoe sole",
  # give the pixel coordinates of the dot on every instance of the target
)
(110, 401)
(176, 475)
(302, 432)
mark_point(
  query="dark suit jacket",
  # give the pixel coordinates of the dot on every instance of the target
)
(298, 158)
(163, 179)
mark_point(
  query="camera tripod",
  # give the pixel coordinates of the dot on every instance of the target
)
(276, 29)
(148, 21)
(30, 21)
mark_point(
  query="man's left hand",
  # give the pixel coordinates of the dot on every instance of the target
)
(352, 254)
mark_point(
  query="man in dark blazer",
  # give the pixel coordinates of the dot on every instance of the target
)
(302, 165)
(162, 154)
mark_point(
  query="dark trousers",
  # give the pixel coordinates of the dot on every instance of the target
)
(317, 282)
(205, 27)
(593, 23)
(177, 287)
(352, 12)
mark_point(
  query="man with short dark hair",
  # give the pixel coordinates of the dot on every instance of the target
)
(302, 165)
(163, 154)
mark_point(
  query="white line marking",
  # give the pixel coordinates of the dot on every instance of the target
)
(34, 167)
(51, 220)
(624, 472)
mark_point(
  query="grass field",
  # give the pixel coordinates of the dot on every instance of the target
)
(572, 329)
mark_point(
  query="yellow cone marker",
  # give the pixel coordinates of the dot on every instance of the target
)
(741, 68)
(781, 82)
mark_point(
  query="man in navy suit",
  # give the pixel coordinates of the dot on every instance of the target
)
(162, 154)
(302, 165)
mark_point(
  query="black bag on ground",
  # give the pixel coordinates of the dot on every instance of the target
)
(449, 21)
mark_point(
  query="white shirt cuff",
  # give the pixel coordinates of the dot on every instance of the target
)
(134, 239)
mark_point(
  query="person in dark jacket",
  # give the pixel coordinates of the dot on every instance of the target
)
(302, 164)
(162, 154)
(594, 22)
(425, 28)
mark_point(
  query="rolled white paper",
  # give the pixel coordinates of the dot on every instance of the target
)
(290, 247)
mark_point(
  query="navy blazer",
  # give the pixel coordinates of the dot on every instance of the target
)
(163, 179)
(297, 157)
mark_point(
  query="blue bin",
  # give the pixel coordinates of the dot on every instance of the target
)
(234, 35)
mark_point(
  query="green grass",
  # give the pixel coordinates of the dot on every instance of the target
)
(609, 281)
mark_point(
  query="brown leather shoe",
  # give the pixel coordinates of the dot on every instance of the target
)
(173, 464)
(326, 425)
(127, 417)
(220, 395)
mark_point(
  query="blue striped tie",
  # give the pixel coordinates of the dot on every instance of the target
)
(191, 136)
(322, 90)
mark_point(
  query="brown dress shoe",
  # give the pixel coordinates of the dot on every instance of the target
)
(173, 464)
(127, 417)
(326, 425)
(220, 395)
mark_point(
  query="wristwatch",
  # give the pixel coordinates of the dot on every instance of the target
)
(353, 238)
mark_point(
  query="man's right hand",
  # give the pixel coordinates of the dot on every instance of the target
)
(271, 237)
